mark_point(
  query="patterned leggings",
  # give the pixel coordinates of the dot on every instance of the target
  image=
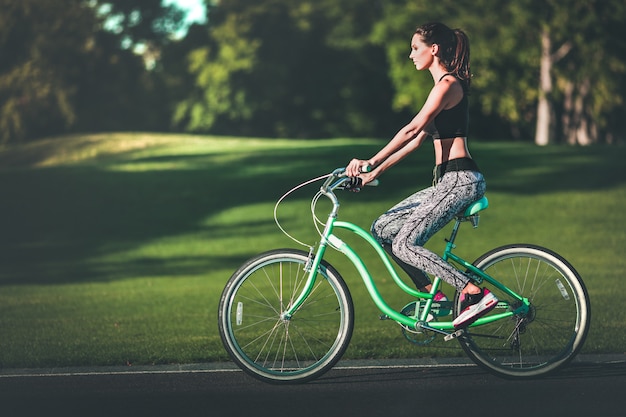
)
(406, 227)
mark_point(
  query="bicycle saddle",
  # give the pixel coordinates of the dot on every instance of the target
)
(476, 206)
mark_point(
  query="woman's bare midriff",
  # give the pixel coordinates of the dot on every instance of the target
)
(447, 149)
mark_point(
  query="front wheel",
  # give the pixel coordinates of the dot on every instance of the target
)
(553, 330)
(271, 347)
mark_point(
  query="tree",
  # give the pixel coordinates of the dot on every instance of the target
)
(591, 78)
(288, 68)
(39, 43)
(227, 55)
(502, 87)
(61, 70)
(545, 112)
(554, 64)
(113, 89)
(549, 69)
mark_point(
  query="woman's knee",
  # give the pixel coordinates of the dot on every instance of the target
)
(378, 232)
(374, 231)
(404, 250)
(373, 228)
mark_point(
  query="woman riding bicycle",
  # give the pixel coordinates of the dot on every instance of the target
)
(406, 227)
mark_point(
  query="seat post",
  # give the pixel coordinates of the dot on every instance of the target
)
(474, 219)
(469, 214)
(452, 238)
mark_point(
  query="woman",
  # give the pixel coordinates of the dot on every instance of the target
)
(405, 228)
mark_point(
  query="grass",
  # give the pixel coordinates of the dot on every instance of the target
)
(114, 248)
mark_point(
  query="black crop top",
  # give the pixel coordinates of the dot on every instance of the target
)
(451, 123)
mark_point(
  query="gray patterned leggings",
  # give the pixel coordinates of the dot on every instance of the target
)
(406, 227)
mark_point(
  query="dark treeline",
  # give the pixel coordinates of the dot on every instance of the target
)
(551, 71)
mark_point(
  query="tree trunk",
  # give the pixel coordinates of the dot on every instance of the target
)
(544, 110)
(578, 127)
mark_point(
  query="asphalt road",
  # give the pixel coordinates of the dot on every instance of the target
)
(585, 388)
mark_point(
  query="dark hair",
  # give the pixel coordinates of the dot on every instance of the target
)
(454, 49)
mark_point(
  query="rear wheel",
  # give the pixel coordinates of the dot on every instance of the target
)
(554, 329)
(271, 347)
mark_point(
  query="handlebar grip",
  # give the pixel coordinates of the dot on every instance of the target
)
(368, 168)
(355, 183)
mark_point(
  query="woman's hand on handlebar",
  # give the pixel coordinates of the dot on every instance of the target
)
(356, 167)
(362, 169)
(368, 177)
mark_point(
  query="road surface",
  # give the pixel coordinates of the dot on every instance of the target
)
(585, 388)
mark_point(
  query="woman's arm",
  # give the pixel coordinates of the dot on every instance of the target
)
(443, 94)
(390, 161)
(411, 136)
(399, 154)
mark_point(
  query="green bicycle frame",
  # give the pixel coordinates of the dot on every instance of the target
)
(328, 238)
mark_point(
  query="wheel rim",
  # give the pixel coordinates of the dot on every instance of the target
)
(264, 341)
(552, 330)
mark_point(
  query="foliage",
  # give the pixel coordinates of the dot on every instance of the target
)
(39, 42)
(278, 68)
(216, 69)
(506, 48)
(304, 68)
(61, 71)
(591, 80)
(140, 21)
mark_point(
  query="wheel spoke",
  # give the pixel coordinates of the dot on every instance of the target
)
(270, 346)
(555, 326)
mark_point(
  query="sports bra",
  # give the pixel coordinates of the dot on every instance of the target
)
(453, 122)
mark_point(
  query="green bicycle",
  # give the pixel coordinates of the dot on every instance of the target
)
(286, 316)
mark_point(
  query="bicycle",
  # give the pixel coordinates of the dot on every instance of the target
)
(286, 316)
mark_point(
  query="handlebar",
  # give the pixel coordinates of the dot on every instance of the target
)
(339, 180)
(335, 180)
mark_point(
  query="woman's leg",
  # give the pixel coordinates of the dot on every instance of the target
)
(386, 227)
(455, 191)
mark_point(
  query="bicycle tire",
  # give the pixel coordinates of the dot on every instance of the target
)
(278, 350)
(554, 329)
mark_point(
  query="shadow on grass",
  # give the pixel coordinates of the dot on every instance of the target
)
(59, 223)
(524, 169)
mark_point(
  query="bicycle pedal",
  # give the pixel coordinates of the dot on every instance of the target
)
(454, 335)
(383, 317)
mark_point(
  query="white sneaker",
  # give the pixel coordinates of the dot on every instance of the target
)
(474, 306)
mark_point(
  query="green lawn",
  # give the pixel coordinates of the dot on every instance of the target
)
(114, 248)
